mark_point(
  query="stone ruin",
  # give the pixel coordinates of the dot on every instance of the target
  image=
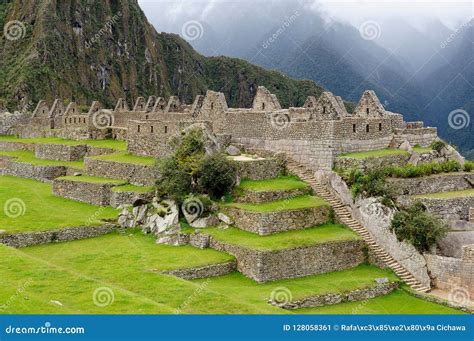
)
(313, 134)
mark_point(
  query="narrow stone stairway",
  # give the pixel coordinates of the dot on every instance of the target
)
(346, 218)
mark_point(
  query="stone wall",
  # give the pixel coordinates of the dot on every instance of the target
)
(91, 193)
(119, 198)
(371, 162)
(453, 274)
(355, 295)
(260, 169)
(26, 239)
(207, 271)
(421, 136)
(274, 222)
(29, 171)
(60, 152)
(259, 197)
(449, 209)
(264, 266)
(433, 184)
(13, 146)
(133, 173)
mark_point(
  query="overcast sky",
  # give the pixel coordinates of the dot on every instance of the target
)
(164, 13)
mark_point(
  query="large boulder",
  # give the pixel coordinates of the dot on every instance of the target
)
(449, 153)
(211, 141)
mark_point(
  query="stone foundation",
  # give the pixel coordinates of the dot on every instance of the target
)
(133, 173)
(449, 209)
(212, 270)
(19, 240)
(274, 222)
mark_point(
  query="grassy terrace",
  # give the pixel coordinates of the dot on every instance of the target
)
(374, 153)
(42, 210)
(448, 195)
(133, 188)
(283, 183)
(284, 240)
(94, 180)
(129, 264)
(362, 276)
(127, 158)
(297, 203)
(113, 144)
(29, 157)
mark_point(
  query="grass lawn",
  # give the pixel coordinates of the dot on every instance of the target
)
(398, 302)
(114, 144)
(375, 153)
(133, 188)
(448, 195)
(29, 157)
(282, 183)
(42, 210)
(297, 203)
(283, 240)
(128, 265)
(93, 179)
(127, 158)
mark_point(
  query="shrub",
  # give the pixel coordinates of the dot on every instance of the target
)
(468, 166)
(189, 150)
(438, 145)
(216, 175)
(424, 169)
(173, 182)
(371, 184)
(418, 227)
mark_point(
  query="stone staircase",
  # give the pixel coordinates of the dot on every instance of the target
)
(345, 217)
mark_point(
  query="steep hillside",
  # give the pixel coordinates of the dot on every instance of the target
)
(85, 50)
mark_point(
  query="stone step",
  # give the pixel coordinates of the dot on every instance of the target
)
(345, 216)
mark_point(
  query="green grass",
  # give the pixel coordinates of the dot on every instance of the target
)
(297, 203)
(398, 302)
(93, 179)
(129, 264)
(282, 183)
(113, 144)
(448, 195)
(284, 240)
(362, 276)
(374, 153)
(44, 211)
(127, 158)
(133, 188)
(421, 150)
(24, 156)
